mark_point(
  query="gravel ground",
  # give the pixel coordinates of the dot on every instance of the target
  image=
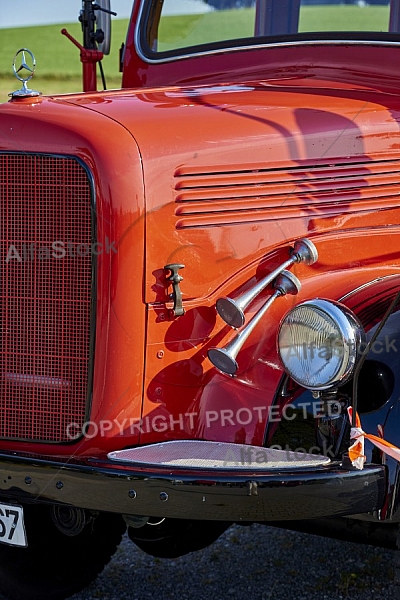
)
(255, 563)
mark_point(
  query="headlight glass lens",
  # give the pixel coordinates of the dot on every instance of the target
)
(319, 343)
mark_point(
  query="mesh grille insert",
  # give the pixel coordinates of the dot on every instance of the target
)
(45, 296)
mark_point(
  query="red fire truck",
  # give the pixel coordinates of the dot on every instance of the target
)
(199, 287)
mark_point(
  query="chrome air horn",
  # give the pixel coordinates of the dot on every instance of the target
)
(232, 311)
(225, 358)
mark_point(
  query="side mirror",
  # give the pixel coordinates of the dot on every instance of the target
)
(103, 22)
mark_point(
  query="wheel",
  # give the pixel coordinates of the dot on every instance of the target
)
(60, 559)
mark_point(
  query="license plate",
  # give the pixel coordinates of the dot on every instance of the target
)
(12, 528)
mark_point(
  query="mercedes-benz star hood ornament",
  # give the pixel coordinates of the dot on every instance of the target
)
(24, 65)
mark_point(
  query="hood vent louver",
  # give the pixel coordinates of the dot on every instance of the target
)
(209, 197)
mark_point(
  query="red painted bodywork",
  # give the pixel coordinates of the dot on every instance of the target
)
(220, 171)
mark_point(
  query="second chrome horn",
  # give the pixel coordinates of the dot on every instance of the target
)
(232, 310)
(224, 359)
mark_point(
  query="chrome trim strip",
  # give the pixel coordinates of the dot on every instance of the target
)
(367, 284)
(25, 380)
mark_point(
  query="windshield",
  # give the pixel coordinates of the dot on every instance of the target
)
(178, 27)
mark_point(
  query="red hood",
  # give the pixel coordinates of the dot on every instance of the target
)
(232, 170)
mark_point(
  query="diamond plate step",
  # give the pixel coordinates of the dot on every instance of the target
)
(198, 454)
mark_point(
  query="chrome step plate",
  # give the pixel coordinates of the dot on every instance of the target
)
(198, 454)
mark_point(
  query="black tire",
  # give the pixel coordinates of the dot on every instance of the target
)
(54, 565)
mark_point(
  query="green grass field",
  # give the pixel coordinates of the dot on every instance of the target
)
(177, 32)
(59, 70)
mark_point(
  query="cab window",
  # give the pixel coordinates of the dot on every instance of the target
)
(211, 23)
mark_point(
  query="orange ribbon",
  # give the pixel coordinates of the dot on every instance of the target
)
(356, 450)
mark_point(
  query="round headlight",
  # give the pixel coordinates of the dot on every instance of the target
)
(319, 343)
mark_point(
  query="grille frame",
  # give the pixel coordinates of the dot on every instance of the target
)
(85, 416)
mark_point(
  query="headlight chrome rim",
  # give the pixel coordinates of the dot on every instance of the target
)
(301, 335)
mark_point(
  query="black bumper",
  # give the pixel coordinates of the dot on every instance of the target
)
(203, 494)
